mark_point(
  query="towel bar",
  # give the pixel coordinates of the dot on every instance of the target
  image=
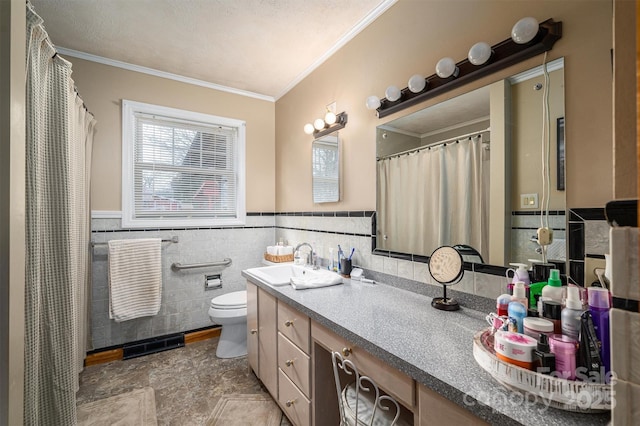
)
(173, 239)
(178, 266)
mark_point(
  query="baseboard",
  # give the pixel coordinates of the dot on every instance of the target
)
(200, 335)
(103, 357)
(112, 353)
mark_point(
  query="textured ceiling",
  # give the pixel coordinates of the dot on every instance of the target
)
(260, 46)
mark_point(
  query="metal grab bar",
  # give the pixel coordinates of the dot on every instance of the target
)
(179, 266)
(173, 239)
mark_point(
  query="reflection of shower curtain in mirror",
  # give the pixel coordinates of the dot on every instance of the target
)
(434, 197)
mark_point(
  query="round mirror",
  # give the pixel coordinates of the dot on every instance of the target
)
(447, 268)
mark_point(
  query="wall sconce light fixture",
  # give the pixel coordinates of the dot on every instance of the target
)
(329, 124)
(528, 39)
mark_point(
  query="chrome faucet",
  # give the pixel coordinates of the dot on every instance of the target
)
(310, 260)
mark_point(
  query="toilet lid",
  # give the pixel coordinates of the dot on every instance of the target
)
(234, 300)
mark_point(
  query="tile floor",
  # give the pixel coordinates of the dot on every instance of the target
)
(188, 381)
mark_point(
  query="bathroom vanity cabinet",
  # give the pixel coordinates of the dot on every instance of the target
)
(290, 353)
(423, 357)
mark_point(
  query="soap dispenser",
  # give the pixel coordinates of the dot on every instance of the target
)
(544, 361)
(521, 274)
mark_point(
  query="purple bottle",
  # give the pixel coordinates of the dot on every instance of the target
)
(599, 308)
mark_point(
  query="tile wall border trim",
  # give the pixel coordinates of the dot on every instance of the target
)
(537, 213)
(629, 305)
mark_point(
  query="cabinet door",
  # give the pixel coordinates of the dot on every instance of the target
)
(268, 341)
(252, 327)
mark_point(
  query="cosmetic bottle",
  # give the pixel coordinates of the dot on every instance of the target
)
(589, 350)
(552, 311)
(553, 290)
(502, 304)
(570, 318)
(517, 312)
(599, 308)
(519, 294)
(564, 348)
(543, 360)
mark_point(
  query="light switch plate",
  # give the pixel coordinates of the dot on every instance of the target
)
(529, 201)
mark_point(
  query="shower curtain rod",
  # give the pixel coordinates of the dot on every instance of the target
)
(442, 142)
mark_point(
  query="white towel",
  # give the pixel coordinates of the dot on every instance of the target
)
(326, 280)
(135, 278)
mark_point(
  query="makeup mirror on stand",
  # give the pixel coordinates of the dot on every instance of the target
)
(447, 268)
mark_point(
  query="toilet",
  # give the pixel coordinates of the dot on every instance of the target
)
(230, 311)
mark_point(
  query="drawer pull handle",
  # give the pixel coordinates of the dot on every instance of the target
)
(290, 402)
(289, 362)
(288, 323)
(254, 331)
(346, 351)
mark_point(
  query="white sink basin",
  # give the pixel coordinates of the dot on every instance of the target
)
(279, 275)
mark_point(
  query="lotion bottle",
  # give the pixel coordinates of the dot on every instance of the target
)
(519, 293)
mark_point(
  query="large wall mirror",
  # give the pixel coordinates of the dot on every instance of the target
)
(470, 171)
(325, 166)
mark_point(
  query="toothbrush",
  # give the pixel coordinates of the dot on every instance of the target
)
(351, 255)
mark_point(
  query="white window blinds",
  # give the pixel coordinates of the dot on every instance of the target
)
(182, 171)
(326, 170)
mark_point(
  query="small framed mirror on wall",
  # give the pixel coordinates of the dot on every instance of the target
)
(325, 166)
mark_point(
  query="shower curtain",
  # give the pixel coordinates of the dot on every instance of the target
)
(433, 197)
(58, 146)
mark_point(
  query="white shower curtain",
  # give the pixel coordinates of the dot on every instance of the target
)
(58, 146)
(432, 197)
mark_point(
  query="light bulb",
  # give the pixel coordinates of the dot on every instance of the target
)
(446, 68)
(392, 93)
(318, 124)
(479, 53)
(417, 83)
(330, 118)
(373, 102)
(524, 30)
(308, 128)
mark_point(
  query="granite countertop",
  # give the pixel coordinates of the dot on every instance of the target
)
(433, 347)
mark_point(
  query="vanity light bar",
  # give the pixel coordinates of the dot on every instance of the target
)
(505, 54)
(341, 122)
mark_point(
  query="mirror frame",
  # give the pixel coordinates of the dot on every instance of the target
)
(475, 267)
(329, 138)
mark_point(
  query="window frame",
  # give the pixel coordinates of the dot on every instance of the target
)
(129, 220)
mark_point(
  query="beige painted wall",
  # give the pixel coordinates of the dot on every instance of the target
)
(411, 37)
(103, 87)
(12, 210)
(526, 151)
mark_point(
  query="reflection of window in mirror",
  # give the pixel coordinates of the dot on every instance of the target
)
(325, 164)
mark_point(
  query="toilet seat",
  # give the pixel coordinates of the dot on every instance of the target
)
(234, 300)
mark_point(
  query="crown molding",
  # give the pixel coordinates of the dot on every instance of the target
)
(161, 74)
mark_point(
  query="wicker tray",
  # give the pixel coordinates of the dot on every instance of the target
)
(279, 258)
(570, 395)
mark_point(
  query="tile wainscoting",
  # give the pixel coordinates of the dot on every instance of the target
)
(185, 302)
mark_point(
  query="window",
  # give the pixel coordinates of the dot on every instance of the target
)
(181, 168)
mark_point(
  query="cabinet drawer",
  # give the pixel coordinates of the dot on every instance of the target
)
(296, 406)
(295, 326)
(294, 363)
(397, 384)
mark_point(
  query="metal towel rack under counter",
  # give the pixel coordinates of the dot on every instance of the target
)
(173, 239)
(179, 266)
